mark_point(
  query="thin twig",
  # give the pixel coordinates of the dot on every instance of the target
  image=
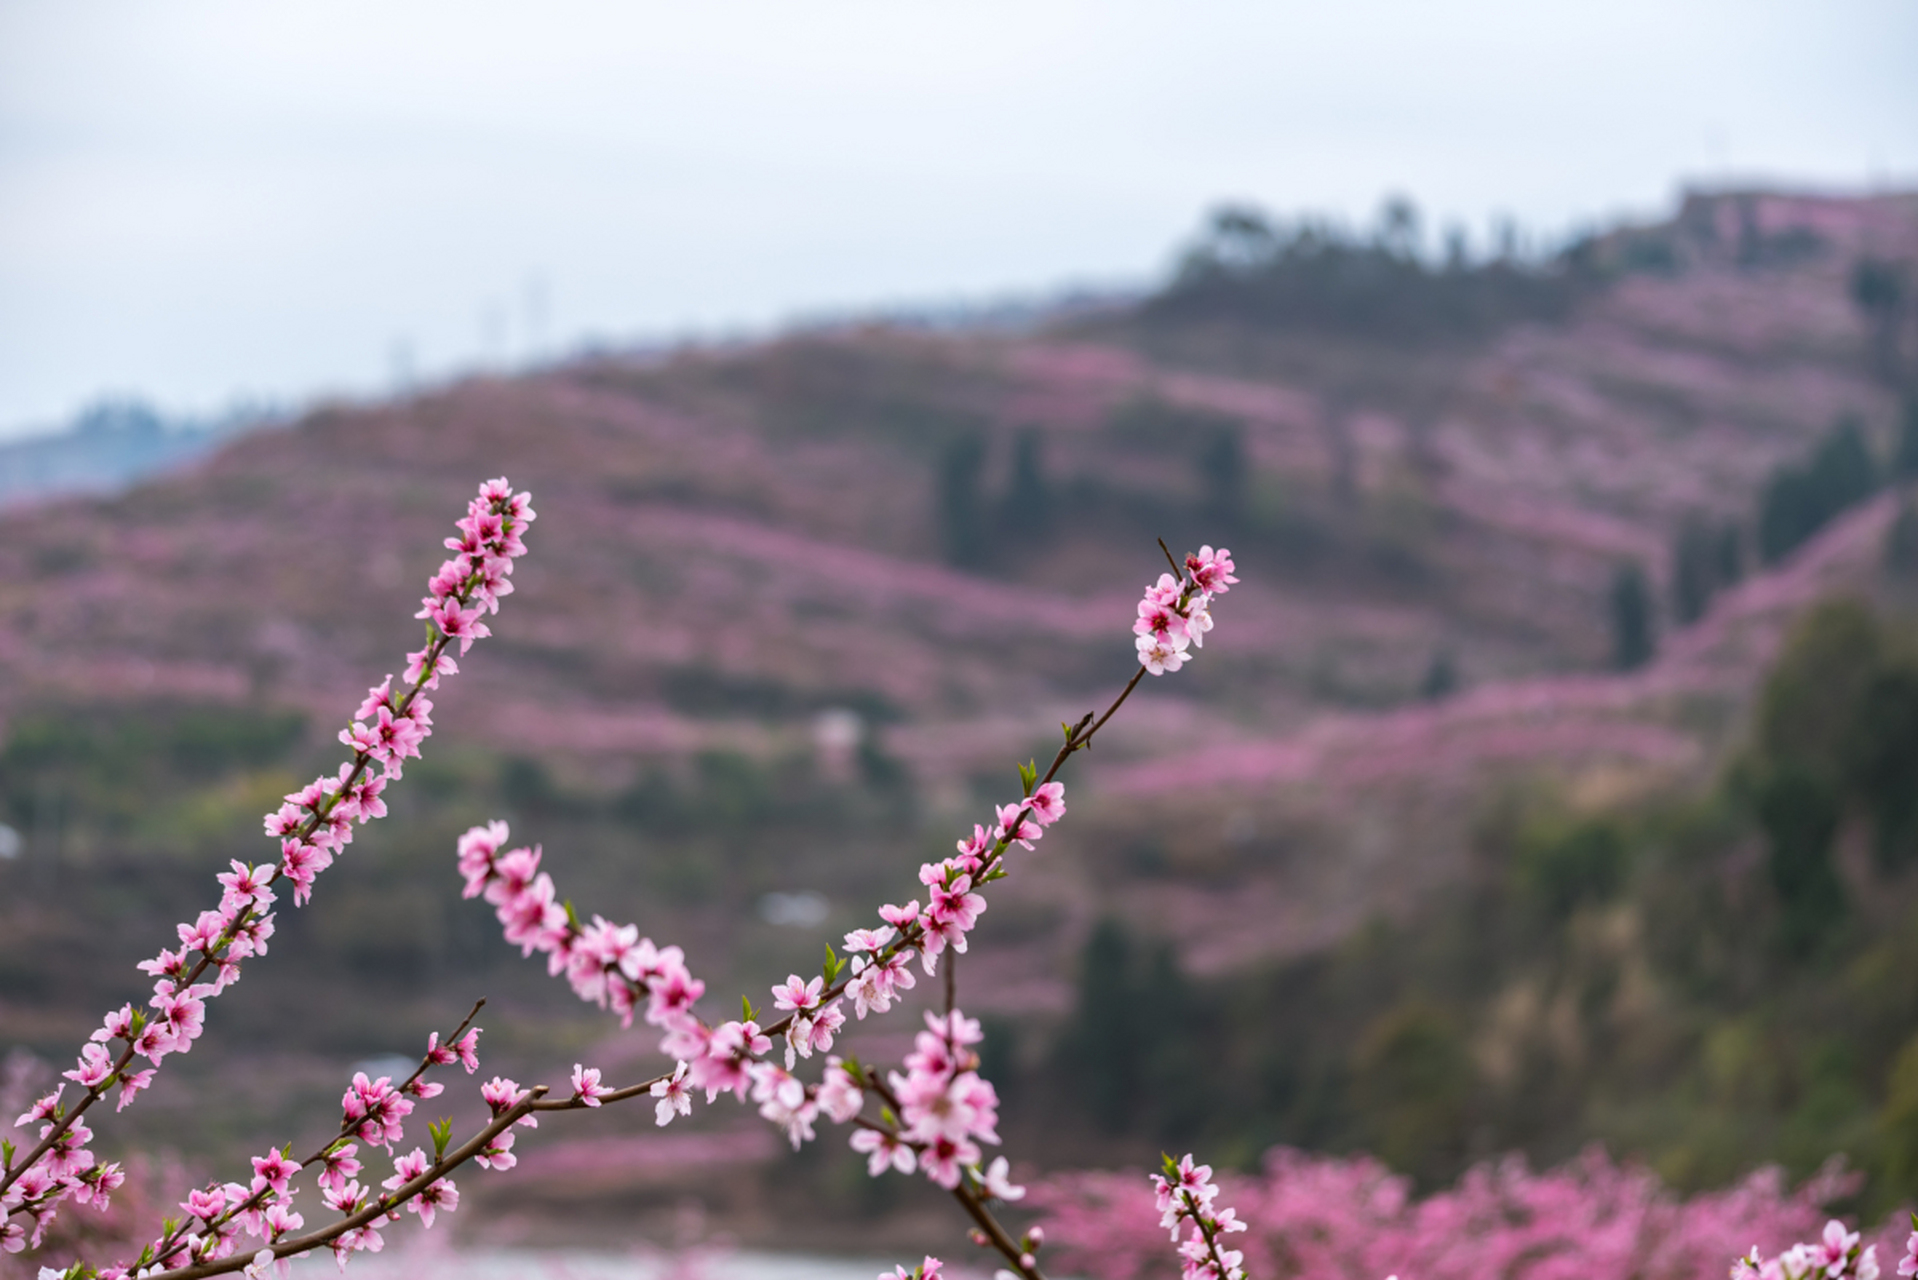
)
(1001, 1240)
(436, 648)
(374, 1209)
(347, 1128)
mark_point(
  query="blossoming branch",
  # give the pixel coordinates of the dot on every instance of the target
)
(313, 826)
(935, 1116)
(932, 1118)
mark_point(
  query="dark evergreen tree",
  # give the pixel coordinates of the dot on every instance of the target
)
(1631, 600)
(1878, 290)
(1787, 514)
(1729, 562)
(962, 526)
(1170, 1038)
(1706, 559)
(1843, 471)
(1904, 454)
(1441, 677)
(1101, 1049)
(1694, 571)
(1901, 542)
(1223, 474)
(1028, 504)
(1799, 501)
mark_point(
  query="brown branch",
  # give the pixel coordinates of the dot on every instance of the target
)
(1177, 570)
(374, 1209)
(975, 1206)
(1078, 737)
(436, 648)
(347, 1128)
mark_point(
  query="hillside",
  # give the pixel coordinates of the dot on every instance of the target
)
(944, 535)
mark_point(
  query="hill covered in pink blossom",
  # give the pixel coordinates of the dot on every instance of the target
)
(944, 535)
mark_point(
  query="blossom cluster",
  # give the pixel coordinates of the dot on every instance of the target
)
(502, 1095)
(606, 964)
(934, 1116)
(218, 1215)
(67, 1169)
(944, 1110)
(940, 1110)
(927, 1270)
(1183, 1195)
(1351, 1218)
(313, 825)
(612, 966)
(1176, 612)
(1835, 1255)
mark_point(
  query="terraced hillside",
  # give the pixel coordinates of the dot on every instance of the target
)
(943, 534)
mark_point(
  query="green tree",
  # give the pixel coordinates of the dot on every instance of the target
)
(1879, 755)
(1101, 1049)
(1565, 867)
(1898, 1123)
(1805, 709)
(1412, 1081)
(1799, 812)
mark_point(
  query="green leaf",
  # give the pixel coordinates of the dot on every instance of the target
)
(1029, 774)
(887, 1117)
(6, 1154)
(442, 1134)
(572, 916)
(746, 1005)
(830, 970)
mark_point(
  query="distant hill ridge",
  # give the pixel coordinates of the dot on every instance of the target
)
(107, 447)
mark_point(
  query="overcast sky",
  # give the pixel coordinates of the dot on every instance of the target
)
(208, 199)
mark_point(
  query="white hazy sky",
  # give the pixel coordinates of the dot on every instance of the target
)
(207, 199)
